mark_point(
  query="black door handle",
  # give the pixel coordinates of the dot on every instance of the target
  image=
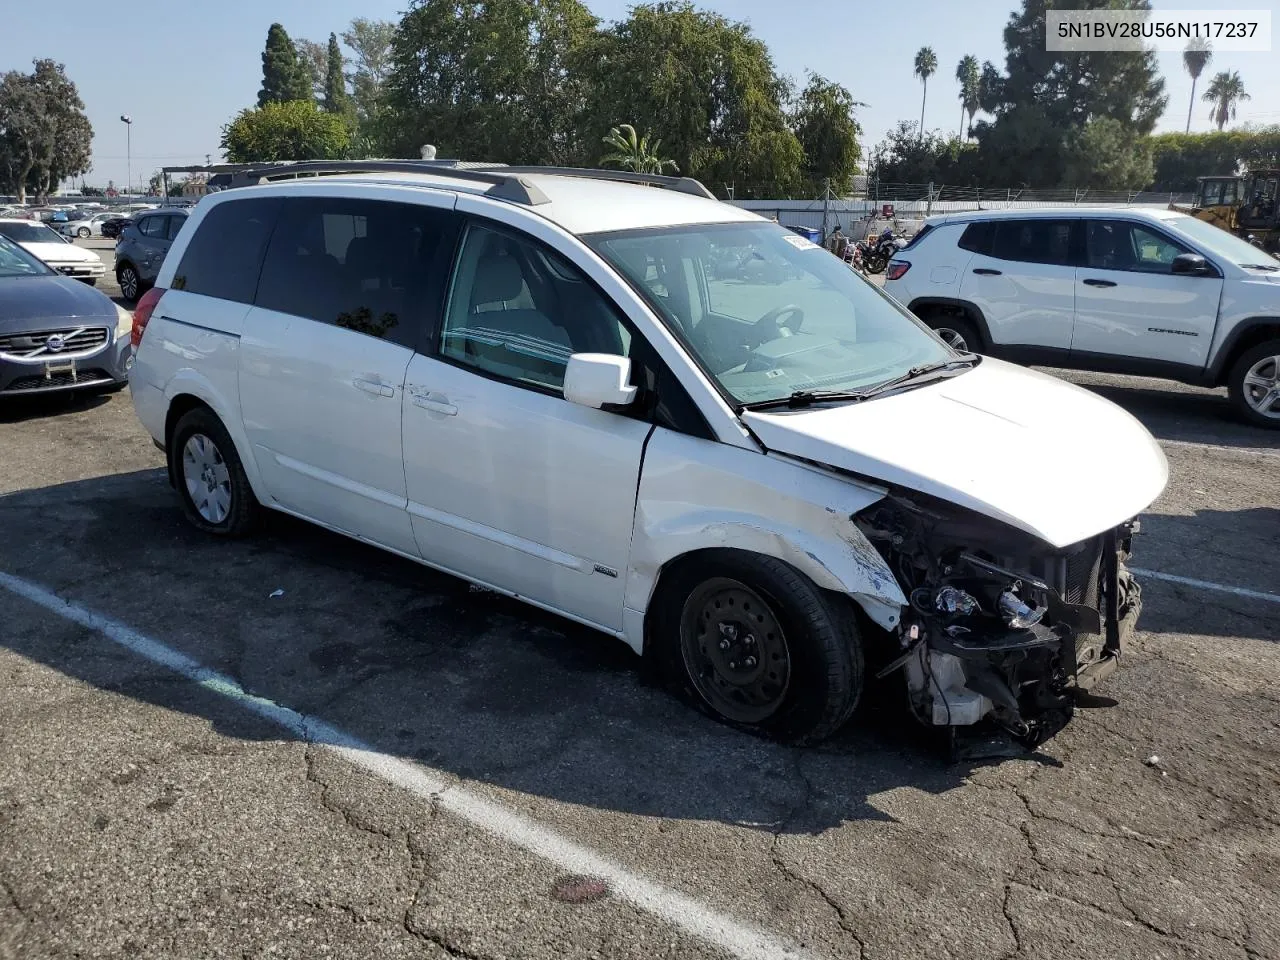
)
(1095, 282)
(986, 272)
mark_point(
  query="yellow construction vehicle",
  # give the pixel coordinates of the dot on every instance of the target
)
(1217, 199)
(1258, 216)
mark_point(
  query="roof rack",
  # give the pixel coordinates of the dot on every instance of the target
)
(504, 185)
(679, 184)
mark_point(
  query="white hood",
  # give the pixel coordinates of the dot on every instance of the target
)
(1028, 449)
(55, 252)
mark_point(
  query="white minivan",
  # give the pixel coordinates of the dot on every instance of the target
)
(662, 416)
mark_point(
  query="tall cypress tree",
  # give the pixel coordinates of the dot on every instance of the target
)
(283, 78)
(335, 87)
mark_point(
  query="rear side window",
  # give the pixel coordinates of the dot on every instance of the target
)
(224, 257)
(1034, 241)
(175, 224)
(920, 235)
(366, 265)
(977, 237)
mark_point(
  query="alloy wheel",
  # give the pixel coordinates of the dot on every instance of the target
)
(129, 283)
(206, 478)
(953, 338)
(1262, 387)
(734, 650)
(83, 232)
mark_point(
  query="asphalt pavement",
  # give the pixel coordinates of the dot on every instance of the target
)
(299, 746)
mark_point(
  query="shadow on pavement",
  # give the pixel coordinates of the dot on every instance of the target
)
(38, 406)
(417, 664)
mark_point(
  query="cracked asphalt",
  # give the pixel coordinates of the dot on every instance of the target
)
(142, 815)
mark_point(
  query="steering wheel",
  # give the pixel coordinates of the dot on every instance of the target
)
(774, 322)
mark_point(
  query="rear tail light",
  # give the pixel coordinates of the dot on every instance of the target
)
(142, 314)
(896, 269)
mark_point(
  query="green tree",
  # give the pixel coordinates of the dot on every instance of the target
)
(313, 61)
(488, 80)
(370, 44)
(45, 136)
(295, 130)
(824, 123)
(335, 84)
(1182, 157)
(1195, 58)
(284, 76)
(990, 87)
(1045, 99)
(22, 124)
(926, 65)
(703, 84)
(634, 152)
(1106, 153)
(1226, 90)
(970, 80)
(904, 156)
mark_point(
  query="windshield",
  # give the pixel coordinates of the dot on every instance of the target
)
(766, 312)
(16, 262)
(29, 233)
(1218, 242)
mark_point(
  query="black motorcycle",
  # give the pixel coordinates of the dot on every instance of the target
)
(882, 250)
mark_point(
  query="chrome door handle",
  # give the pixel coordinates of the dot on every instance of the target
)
(374, 387)
(435, 402)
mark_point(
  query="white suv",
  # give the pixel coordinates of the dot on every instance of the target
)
(1144, 292)
(656, 414)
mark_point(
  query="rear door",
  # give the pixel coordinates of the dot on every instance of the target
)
(1022, 277)
(152, 245)
(1129, 303)
(345, 286)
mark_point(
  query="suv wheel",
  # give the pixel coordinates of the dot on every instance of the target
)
(958, 334)
(1254, 385)
(754, 643)
(211, 482)
(130, 282)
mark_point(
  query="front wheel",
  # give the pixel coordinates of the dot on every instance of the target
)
(83, 233)
(1254, 385)
(130, 282)
(754, 643)
(211, 482)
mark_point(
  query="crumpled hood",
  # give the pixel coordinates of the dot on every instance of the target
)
(1022, 447)
(27, 299)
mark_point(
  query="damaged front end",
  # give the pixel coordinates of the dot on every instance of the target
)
(1000, 624)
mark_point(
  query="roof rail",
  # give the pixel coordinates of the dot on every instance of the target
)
(506, 184)
(679, 184)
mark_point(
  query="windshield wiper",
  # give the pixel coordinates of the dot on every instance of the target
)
(807, 398)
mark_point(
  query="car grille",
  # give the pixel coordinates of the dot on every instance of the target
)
(81, 378)
(1083, 568)
(76, 269)
(70, 342)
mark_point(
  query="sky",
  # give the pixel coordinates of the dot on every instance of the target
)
(185, 69)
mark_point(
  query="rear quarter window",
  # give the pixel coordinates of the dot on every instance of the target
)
(977, 237)
(924, 231)
(224, 258)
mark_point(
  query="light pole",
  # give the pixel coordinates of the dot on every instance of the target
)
(128, 152)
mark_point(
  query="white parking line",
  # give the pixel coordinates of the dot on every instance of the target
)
(735, 937)
(1206, 585)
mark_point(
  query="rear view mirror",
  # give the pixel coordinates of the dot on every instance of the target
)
(1190, 263)
(598, 380)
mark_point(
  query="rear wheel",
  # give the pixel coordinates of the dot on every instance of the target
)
(1254, 385)
(958, 334)
(83, 233)
(754, 643)
(130, 282)
(211, 482)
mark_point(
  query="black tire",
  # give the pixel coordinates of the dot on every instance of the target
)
(824, 658)
(876, 263)
(130, 282)
(243, 513)
(83, 233)
(959, 334)
(1240, 392)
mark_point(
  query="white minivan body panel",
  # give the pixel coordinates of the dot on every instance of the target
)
(1016, 445)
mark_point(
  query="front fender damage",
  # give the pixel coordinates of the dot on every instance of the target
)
(1000, 625)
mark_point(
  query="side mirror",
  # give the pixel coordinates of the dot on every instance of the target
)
(1190, 263)
(598, 380)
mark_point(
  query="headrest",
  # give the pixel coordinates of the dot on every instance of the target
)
(497, 278)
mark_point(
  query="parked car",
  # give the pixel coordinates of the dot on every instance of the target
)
(113, 225)
(85, 227)
(530, 379)
(141, 248)
(55, 250)
(1144, 292)
(56, 334)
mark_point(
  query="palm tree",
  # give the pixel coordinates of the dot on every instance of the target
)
(1195, 58)
(926, 67)
(634, 152)
(969, 77)
(1225, 91)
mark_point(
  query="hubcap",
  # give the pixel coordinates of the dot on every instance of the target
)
(953, 338)
(205, 475)
(734, 650)
(1262, 387)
